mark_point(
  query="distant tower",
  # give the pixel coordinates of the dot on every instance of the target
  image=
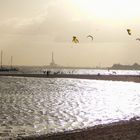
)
(1, 58)
(53, 59)
(52, 64)
(11, 62)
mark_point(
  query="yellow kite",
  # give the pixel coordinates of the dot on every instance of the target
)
(75, 40)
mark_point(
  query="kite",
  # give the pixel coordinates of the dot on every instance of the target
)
(138, 39)
(90, 36)
(129, 31)
(75, 40)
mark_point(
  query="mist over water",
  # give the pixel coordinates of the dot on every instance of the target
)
(31, 106)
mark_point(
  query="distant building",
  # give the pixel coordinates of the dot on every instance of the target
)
(135, 66)
(52, 64)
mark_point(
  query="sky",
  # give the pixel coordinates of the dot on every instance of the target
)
(30, 30)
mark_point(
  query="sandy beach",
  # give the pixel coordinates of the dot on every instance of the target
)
(124, 130)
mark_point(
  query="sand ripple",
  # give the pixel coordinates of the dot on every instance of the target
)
(32, 106)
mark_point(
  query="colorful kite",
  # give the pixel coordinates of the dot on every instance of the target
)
(89, 36)
(129, 31)
(75, 40)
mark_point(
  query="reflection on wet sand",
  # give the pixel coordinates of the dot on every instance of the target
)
(37, 106)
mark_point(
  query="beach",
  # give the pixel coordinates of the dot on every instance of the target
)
(124, 130)
(69, 70)
(52, 107)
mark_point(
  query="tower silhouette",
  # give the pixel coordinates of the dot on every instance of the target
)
(52, 64)
(1, 58)
(52, 60)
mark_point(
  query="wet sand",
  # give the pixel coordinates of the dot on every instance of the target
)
(134, 78)
(124, 130)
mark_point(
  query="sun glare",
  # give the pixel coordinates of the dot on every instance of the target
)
(110, 9)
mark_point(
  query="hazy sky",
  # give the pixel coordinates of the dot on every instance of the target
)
(31, 29)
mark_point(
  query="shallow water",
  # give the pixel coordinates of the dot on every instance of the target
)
(40, 70)
(31, 106)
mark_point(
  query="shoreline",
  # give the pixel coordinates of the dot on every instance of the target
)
(123, 130)
(132, 78)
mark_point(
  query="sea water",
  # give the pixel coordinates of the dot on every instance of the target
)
(41, 70)
(31, 106)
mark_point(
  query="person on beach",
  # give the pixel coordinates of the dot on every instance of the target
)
(48, 72)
